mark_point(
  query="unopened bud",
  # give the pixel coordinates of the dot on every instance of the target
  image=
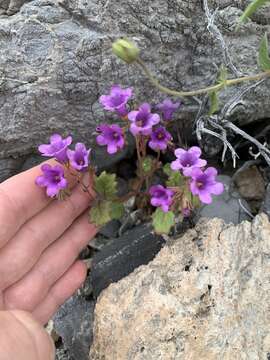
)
(126, 50)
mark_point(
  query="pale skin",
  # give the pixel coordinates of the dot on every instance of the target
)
(40, 240)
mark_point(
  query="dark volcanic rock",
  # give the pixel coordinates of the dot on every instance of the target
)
(121, 256)
(73, 322)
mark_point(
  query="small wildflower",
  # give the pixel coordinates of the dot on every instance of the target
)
(143, 120)
(161, 197)
(204, 184)
(79, 158)
(112, 136)
(187, 160)
(167, 108)
(53, 179)
(117, 100)
(160, 138)
(186, 212)
(57, 147)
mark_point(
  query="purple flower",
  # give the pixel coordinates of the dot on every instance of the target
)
(204, 184)
(117, 99)
(167, 108)
(186, 212)
(112, 136)
(143, 120)
(79, 159)
(161, 197)
(159, 138)
(57, 147)
(52, 178)
(187, 160)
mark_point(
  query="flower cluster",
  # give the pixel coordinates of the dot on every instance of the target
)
(53, 177)
(142, 121)
(202, 181)
(189, 180)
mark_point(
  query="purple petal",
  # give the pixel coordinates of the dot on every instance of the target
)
(41, 181)
(187, 171)
(176, 165)
(211, 172)
(179, 152)
(201, 163)
(55, 138)
(112, 148)
(196, 172)
(101, 140)
(145, 108)
(196, 151)
(52, 190)
(132, 115)
(205, 197)
(134, 129)
(46, 167)
(45, 150)
(193, 188)
(155, 202)
(155, 119)
(165, 207)
(217, 188)
(80, 147)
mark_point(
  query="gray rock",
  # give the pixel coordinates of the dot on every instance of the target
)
(206, 299)
(73, 322)
(265, 208)
(229, 206)
(56, 60)
(110, 230)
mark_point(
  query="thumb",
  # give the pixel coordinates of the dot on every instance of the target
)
(21, 337)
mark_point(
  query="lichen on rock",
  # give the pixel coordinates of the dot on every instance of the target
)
(205, 296)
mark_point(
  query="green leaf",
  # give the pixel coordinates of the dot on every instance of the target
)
(250, 10)
(162, 221)
(117, 210)
(100, 213)
(167, 169)
(213, 97)
(175, 177)
(105, 185)
(147, 165)
(196, 203)
(263, 58)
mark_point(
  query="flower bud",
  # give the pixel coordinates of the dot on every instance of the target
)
(126, 50)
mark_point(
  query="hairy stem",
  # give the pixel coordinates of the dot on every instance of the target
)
(208, 89)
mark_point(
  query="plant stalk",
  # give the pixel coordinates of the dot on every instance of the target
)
(208, 89)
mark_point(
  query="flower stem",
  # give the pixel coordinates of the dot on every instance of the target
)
(208, 89)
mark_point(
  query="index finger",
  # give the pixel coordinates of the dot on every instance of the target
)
(20, 199)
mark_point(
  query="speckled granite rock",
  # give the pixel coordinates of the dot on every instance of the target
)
(55, 61)
(205, 296)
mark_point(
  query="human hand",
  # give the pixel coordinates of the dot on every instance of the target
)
(23, 338)
(40, 240)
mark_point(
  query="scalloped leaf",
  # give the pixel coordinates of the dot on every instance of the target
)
(117, 210)
(100, 213)
(104, 211)
(105, 185)
(147, 165)
(263, 58)
(175, 178)
(162, 221)
(251, 8)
